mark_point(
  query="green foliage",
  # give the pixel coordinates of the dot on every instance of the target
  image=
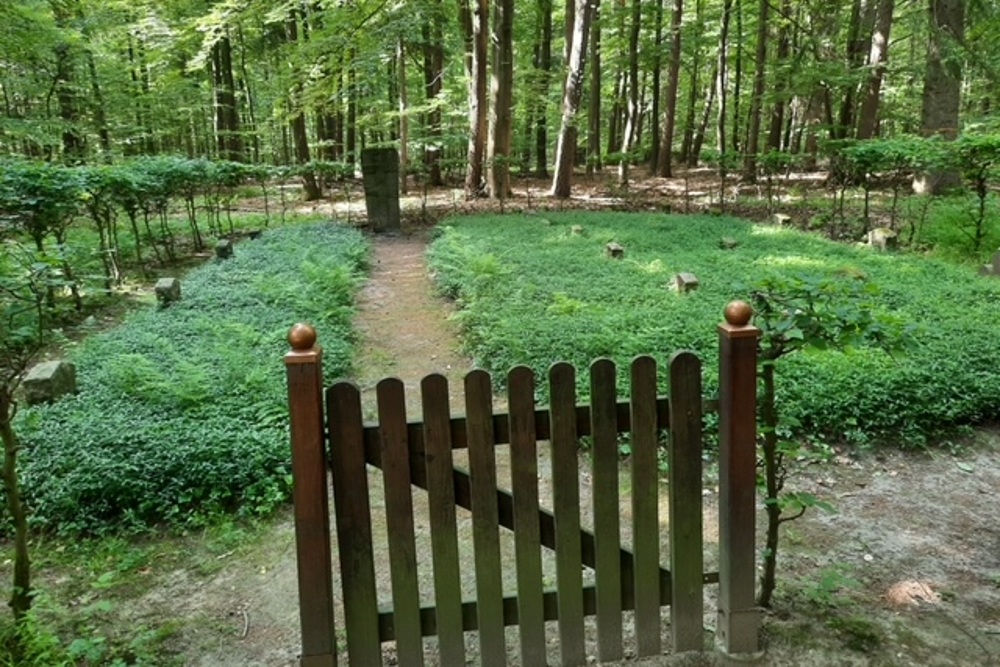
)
(182, 410)
(506, 273)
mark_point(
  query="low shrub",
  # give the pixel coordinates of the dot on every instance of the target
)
(535, 289)
(182, 410)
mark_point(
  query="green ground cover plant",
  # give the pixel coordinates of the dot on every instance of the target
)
(534, 289)
(182, 410)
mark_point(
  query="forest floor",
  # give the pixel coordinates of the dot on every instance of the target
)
(906, 572)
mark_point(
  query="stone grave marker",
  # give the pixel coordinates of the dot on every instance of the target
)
(883, 238)
(224, 249)
(48, 381)
(614, 250)
(685, 282)
(380, 171)
(168, 290)
(781, 219)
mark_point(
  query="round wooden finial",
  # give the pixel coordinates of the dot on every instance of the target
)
(738, 313)
(302, 337)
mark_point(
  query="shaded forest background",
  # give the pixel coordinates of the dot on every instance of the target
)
(471, 91)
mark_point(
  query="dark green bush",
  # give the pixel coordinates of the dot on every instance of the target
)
(532, 290)
(182, 410)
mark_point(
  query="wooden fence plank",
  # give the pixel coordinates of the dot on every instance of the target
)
(645, 506)
(399, 521)
(354, 527)
(485, 522)
(527, 538)
(444, 535)
(607, 529)
(304, 369)
(566, 500)
(686, 549)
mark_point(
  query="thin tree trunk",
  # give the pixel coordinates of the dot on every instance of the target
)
(667, 148)
(544, 71)
(297, 124)
(689, 119)
(699, 136)
(20, 600)
(404, 119)
(566, 146)
(248, 94)
(433, 71)
(737, 80)
(501, 113)
(351, 130)
(722, 80)
(776, 130)
(878, 55)
(594, 109)
(654, 144)
(756, 100)
(632, 117)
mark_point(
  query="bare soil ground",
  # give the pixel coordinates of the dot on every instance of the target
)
(906, 572)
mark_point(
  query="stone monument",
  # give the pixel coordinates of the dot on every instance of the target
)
(380, 171)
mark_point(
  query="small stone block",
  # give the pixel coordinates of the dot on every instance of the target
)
(615, 250)
(168, 290)
(686, 282)
(728, 243)
(48, 381)
(883, 238)
(986, 270)
(224, 249)
(781, 219)
(256, 234)
(996, 263)
(576, 230)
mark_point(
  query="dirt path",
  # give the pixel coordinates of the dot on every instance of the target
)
(246, 614)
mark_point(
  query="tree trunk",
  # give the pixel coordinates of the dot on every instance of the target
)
(862, 16)
(878, 55)
(594, 109)
(689, 118)
(73, 146)
(227, 117)
(351, 129)
(632, 108)
(722, 81)
(699, 135)
(654, 145)
(297, 124)
(756, 100)
(501, 113)
(404, 119)
(667, 146)
(474, 23)
(433, 48)
(544, 71)
(20, 600)
(942, 87)
(737, 80)
(566, 146)
(777, 127)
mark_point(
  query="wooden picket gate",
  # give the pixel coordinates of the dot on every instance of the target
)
(420, 455)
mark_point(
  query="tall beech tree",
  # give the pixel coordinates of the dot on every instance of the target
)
(566, 147)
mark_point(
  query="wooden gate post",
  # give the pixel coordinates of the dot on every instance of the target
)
(304, 366)
(739, 617)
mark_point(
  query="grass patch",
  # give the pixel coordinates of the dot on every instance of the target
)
(182, 411)
(535, 289)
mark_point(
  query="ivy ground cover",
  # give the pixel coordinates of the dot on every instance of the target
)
(182, 411)
(534, 289)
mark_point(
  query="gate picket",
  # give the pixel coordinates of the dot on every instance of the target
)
(399, 521)
(354, 525)
(485, 517)
(566, 500)
(444, 535)
(527, 531)
(607, 528)
(645, 506)
(686, 542)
